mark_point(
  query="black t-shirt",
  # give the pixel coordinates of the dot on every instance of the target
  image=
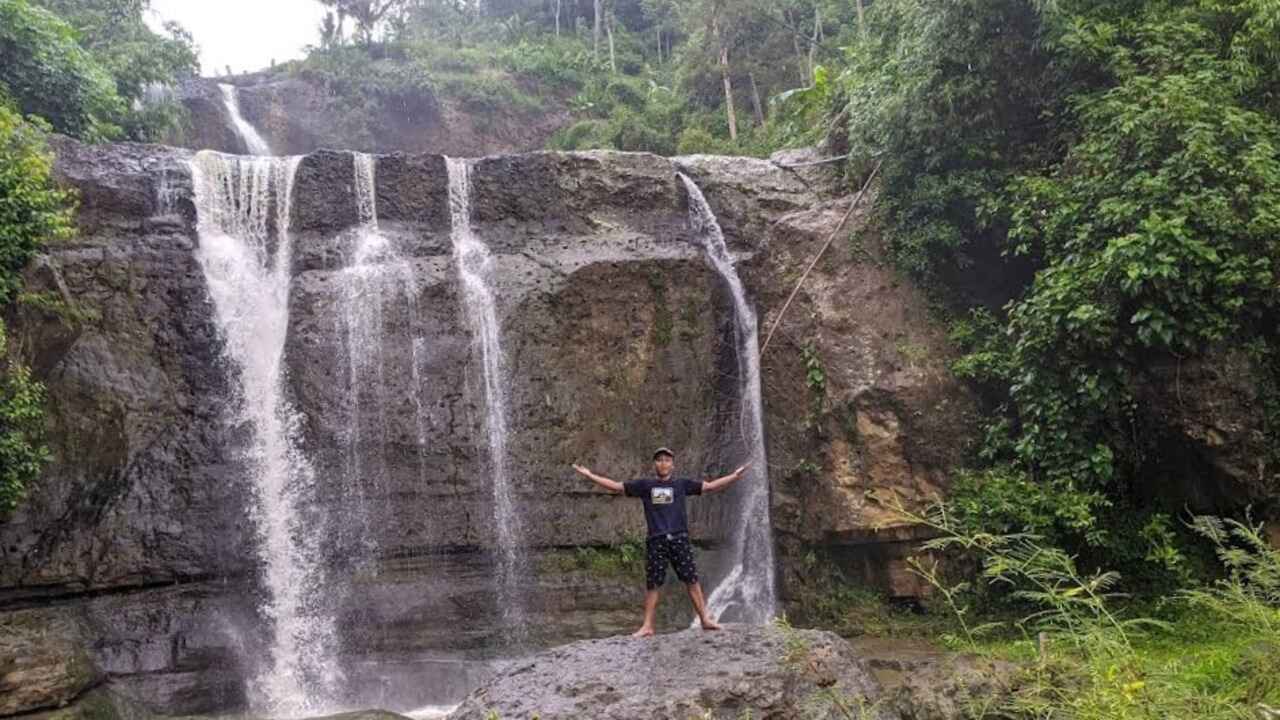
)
(664, 502)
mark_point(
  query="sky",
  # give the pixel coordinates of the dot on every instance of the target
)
(245, 34)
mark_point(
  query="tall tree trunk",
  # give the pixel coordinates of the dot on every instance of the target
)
(595, 35)
(801, 61)
(813, 43)
(862, 21)
(558, 17)
(613, 57)
(659, 45)
(755, 100)
(728, 81)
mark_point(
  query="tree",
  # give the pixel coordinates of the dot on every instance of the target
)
(138, 59)
(48, 74)
(727, 76)
(367, 14)
(596, 31)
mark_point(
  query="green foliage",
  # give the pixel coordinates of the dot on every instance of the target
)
(1212, 656)
(33, 211)
(1249, 594)
(22, 450)
(139, 60)
(618, 560)
(953, 96)
(92, 69)
(557, 64)
(633, 94)
(801, 114)
(1107, 175)
(825, 597)
(46, 73)
(1158, 233)
(815, 376)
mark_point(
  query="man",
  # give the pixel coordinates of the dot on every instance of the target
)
(668, 540)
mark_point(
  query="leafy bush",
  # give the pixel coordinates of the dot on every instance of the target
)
(625, 94)
(32, 209)
(563, 65)
(487, 94)
(696, 141)
(22, 450)
(32, 212)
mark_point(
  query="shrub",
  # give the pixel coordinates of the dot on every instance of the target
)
(32, 212)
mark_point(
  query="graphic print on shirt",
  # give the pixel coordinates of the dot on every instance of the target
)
(661, 495)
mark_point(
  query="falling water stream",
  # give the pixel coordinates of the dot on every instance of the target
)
(248, 133)
(376, 282)
(746, 593)
(476, 276)
(243, 213)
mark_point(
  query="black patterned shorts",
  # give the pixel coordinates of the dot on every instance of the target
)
(673, 549)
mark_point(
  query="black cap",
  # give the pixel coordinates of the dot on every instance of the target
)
(664, 450)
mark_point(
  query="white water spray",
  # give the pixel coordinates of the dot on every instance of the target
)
(475, 273)
(247, 132)
(247, 270)
(748, 589)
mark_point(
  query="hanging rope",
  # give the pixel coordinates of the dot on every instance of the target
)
(831, 238)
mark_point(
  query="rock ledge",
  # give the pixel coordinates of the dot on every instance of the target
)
(768, 672)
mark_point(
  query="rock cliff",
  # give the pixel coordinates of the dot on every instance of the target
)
(137, 542)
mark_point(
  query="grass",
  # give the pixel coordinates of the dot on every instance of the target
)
(1206, 652)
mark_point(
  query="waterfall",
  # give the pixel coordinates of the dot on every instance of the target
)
(247, 270)
(476, 275)
(376, 276)
(748, 588)
(253, 142)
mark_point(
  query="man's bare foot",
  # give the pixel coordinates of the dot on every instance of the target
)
(644, 631)
(710, 625)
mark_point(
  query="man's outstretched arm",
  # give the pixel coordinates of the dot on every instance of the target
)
(612, 486)
(719, 484)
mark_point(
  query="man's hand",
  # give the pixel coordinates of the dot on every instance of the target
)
(721, 483)
(612, 486)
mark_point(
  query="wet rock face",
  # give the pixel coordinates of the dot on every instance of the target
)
(139, 491)
(296, 115)
(618, 338)
(765, 672)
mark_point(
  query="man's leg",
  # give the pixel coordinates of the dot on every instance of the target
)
(655, 574)
(650, 613)
(687, 571)
(700, 606)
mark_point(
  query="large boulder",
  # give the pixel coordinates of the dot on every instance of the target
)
(764, 672)
(44, 660)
